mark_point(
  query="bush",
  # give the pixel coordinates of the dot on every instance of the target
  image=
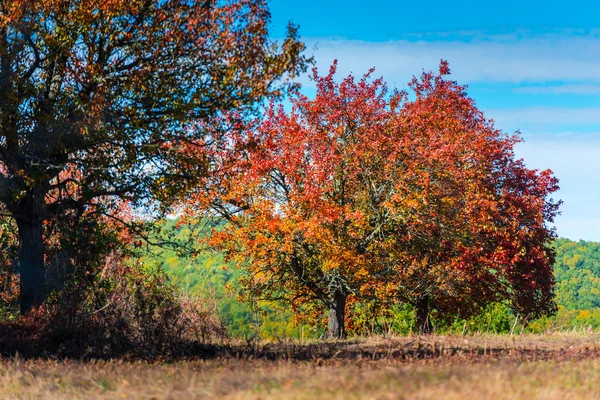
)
(125, 311)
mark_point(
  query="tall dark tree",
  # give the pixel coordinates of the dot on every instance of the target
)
(97, 95)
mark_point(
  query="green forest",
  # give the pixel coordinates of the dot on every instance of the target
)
(209, 276)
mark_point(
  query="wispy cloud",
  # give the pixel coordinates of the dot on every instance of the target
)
(519, 117)
(559, 89)
(473, 57)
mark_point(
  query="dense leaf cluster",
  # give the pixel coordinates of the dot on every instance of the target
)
(358, 194)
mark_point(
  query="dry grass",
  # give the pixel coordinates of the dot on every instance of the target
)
(494, 367)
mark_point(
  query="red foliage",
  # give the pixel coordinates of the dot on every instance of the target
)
(394, 197)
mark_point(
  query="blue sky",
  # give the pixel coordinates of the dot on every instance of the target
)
(532, 66)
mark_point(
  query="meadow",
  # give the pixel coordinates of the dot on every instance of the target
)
(557, 366)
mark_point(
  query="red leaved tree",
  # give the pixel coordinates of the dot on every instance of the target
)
(361, 194)
(470, 224)
(293, 187)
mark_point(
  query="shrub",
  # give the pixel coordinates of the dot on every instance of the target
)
(125, 310)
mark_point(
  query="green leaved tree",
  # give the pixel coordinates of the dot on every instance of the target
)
(96, 95)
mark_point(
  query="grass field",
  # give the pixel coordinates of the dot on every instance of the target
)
(479, 367)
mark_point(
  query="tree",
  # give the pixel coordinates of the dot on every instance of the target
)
(357, 194)
(111, 90)
(468, 223)
(296, 196)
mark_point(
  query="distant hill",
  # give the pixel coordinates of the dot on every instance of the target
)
(577, 272)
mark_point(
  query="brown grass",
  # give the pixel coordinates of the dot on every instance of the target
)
(481, 367)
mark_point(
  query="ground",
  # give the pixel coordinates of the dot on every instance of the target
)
(562, 367)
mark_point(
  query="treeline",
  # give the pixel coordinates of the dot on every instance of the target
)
(577, 272)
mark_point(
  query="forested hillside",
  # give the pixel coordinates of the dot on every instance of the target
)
(577, 272)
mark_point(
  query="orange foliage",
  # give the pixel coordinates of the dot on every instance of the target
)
(394, 197)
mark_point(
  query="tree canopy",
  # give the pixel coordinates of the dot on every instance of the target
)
(470, 224)
(96, 98)
(359, 193)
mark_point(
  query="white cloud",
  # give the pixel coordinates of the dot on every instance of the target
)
(518, 117)
(473, 58)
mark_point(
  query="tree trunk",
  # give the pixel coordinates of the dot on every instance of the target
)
(337, 311)
(424, 326)
(31, 263)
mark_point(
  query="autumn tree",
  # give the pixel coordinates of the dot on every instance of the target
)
(296, 189)
(361, 194)
(468, 223)
(110, 89)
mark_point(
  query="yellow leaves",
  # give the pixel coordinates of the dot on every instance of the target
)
(330, 264)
